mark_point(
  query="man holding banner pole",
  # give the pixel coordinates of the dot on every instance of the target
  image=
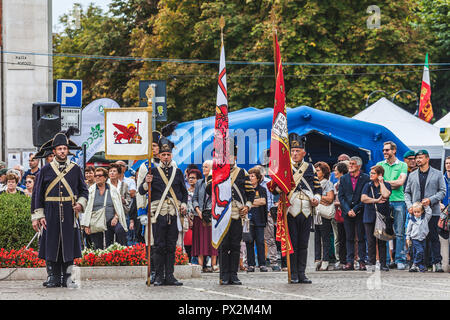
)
(168, 203)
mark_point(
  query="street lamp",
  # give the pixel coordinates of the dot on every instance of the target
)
(404, 90)
(368, 97)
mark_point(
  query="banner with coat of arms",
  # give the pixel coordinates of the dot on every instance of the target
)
(127, 134)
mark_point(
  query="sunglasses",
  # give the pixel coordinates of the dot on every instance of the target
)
(99, 175)
(386, 150)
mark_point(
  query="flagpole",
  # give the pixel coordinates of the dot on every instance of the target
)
(274, 36)
(283, 196)
(222, 25)
(150, 94)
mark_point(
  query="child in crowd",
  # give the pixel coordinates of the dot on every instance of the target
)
(416, 235)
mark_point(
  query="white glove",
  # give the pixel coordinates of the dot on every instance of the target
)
(143, 219)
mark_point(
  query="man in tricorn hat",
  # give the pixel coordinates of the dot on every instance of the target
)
(60, 195)
(168, 202)
(303, 198)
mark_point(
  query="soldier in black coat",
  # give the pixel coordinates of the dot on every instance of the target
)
(165, 212)
(303, 199)
(229, 249)
(60, 195)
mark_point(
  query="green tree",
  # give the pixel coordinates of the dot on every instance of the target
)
(433, 18)
(309, 31)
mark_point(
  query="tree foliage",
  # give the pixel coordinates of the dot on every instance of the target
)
(309, 31)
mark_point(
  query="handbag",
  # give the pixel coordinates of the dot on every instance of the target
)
(383, 226)
(246, 234)
(98, 218)
(206, 213)
(326, 212)
(443, 228)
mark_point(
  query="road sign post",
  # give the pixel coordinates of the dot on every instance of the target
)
(158, 101)
(69, 94)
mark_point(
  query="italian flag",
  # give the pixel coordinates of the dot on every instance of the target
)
(425, 108)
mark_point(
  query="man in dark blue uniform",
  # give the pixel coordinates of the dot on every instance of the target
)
(60, 195)
(168, 203)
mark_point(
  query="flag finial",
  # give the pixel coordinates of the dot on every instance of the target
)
(222, 25)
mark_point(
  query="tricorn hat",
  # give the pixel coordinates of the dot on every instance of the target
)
(296, 141)
(165, 145)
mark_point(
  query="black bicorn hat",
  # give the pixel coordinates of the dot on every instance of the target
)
(297, 141)
(60, 139)
(156, 135)
(44, 152)
(165, 145)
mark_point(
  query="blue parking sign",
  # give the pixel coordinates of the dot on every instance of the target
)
(69, 93)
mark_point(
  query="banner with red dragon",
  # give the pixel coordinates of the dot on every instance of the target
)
(127, 134)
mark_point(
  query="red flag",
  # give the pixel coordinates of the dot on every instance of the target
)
(280, 160)
(425, 108)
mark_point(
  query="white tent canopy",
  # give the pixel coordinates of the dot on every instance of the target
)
(444, 122)
(412, 131)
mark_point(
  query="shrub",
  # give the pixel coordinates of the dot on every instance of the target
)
(15, 221)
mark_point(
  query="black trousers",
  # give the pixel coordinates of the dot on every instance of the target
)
(230, 251)
(165, 235)
(342, 243)
(372, 246)
(354, 226)
(258, 238)
(322, 240)
(299, 231)
(118, 231)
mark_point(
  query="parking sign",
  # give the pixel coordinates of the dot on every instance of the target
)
(69, 93)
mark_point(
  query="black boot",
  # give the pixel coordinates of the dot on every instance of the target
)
(159, 269)
(224, 262)
(53, 274)
(302, 256)
(294, 268)
(67, 280)
(169, 268)
(234, 267)
(48, 276)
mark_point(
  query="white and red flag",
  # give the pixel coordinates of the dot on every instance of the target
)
(221, 181)
(425, 108)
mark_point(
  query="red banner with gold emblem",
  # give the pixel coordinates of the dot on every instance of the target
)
(425, 108)
(280, 160)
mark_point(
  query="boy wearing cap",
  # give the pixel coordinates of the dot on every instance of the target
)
(427, 186)
(395, 173)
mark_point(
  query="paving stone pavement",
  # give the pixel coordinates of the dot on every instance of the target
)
(329, 285)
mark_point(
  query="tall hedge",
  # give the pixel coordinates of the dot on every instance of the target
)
(15, 221)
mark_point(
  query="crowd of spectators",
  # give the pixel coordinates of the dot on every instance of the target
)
(410, 193)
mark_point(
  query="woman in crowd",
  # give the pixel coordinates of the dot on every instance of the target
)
(326, 211)
(29, 184)
(11, 184)
(201, 229)
(375, 196)
(89, 173)
(340, 169)
(193, 176)
(105, 196)
(258, 220)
